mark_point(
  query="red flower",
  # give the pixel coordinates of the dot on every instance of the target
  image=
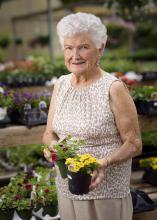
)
(17, 197)
(46, 190)
(28, 186)
(54, 157)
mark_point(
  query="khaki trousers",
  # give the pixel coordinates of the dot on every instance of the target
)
(102, 209)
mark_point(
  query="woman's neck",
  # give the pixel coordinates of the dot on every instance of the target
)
(84, 79)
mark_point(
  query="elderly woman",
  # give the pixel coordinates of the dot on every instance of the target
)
(93, 105)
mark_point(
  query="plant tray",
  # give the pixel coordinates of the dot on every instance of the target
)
(146, 108)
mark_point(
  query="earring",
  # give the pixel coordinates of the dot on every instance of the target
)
(98, 61)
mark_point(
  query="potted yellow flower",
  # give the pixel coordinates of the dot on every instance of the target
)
(80, 169)
(150, 174)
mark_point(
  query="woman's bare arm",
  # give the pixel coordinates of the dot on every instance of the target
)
(126, 120)
(50, 136)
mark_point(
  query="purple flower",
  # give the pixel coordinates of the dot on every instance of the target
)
(7, 92)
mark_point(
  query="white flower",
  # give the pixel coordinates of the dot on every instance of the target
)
(1, 90)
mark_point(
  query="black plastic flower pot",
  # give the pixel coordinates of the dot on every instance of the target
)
(51, 210)
(4, 122)
(29, 118)
(14, 116)
(146, 108)
(6, 214)
(150, 176)
(79, 183)
(25, 214)
(37, 207)
(33, 117)
(62, 168)
(149, 76)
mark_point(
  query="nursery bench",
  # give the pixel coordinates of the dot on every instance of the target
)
(136, 183)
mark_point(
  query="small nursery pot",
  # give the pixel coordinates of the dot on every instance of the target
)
(78, 182)
(62, 168)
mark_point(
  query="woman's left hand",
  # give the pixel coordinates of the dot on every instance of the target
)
(98, 175)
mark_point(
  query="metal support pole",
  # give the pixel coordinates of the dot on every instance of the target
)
(15, 52)
(49, 18)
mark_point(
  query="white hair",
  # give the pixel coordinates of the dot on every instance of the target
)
(73, 24)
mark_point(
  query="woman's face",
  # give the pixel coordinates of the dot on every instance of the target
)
(80, 54)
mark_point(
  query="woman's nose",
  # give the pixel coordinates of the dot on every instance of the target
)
(75, 53)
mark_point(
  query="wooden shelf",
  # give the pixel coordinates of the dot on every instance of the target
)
(136, 183)
(19, 135)
(148, 123)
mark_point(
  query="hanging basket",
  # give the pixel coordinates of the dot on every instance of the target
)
(78, 183)
(62, 168)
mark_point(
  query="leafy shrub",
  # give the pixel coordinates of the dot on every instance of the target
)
(144, 54)
(143, 93)
(145, 36)
(117, 36)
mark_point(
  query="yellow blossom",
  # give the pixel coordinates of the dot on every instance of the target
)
(82, 162)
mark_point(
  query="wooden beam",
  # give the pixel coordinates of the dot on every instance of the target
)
(20, 135)
(148, 123)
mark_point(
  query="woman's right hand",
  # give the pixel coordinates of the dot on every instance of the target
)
(48, 152)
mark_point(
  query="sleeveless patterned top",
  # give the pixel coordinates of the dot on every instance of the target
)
(85, 113)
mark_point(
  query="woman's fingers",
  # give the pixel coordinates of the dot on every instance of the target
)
(97, 177)
(47, 155)
(52, 144)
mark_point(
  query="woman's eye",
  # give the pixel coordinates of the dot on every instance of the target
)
(84, 47)
(68, 48)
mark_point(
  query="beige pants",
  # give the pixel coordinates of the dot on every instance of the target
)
(103, 209)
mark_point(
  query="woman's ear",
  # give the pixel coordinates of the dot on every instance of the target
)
(101, 49)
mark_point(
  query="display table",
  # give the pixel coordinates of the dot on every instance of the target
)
(137, 183)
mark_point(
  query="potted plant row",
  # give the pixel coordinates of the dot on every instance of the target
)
(23, 108)
(149, 76)
(21, 158)
(5, 101)
(150, 167)
(28, 192)
(145, 99)
(31, 72)
(149, 148)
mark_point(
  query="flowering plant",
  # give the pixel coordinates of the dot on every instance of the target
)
(6, 198)
(21, 101)
(145, 93)
(65, 148)
(5, 96)
(150, 162)
(84, 163)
